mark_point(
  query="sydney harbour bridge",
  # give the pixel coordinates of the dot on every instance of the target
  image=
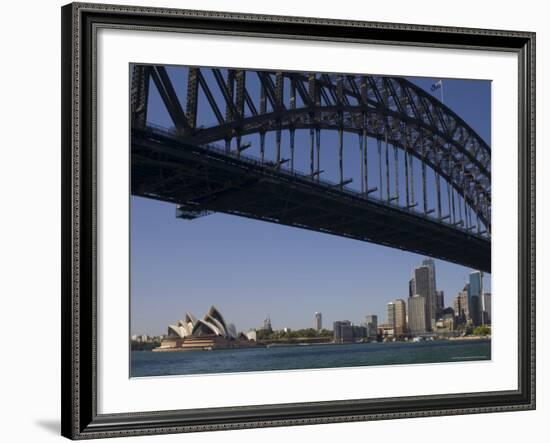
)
(366, 157)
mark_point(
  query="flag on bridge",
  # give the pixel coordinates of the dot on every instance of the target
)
(438, 84)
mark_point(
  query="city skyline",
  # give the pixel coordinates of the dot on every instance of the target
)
(303, 316)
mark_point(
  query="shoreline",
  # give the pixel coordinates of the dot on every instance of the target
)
(307, 344)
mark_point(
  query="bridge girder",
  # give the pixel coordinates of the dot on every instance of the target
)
(386, 108)
(206, 179)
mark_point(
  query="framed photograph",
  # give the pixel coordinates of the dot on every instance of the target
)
(274, 221)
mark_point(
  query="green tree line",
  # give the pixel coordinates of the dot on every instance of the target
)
(264, 334)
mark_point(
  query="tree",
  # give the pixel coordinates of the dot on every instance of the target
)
(482, 330)
(263, 334)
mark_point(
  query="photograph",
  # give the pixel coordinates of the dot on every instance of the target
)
(287, 220)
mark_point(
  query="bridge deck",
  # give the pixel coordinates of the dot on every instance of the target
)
(203, 179)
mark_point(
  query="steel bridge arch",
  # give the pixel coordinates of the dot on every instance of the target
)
(390, 109)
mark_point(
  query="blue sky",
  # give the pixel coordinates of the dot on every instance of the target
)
(250, 269)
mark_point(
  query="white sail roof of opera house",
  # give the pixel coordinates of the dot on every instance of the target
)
(213, 323)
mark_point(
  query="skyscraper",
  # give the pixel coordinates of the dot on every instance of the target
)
(371, 323)
(440, 303)
(487, 308)
(390, 315)
(431, 265)
(318, 321)
(422, 281)
(466, 301)
(422, 278)
(474, 297)
(412, 287)
(460, 306)
(400, 315)
(432, 300)
(418, 321)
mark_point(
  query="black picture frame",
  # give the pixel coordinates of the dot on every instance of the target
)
(79, 171)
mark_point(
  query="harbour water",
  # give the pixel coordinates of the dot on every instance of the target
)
(146, 363)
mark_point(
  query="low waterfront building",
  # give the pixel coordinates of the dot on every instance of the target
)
(446, 323)
(343, 331)
(140, 338)
(386, 330)
(448, 313)
(444, 327)
(359, 332)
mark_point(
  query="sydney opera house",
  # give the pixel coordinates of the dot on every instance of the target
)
(211, 332)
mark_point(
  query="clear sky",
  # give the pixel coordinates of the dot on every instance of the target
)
(251, 269)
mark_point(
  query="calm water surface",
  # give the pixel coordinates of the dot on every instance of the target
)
(147, 363)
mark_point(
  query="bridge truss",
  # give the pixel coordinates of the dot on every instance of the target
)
(403, 135)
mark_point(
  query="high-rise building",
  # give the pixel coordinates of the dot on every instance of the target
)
(390, 315)
(371, 323)
(422, 281)
(397, 316)
(446, 322)
(318, 321)
(432, 300)
(466, 301)
(440, 303)
(412, 287)
(422, 278)
(474, 297)
(487, 308)
(460, 306)
(359, 332)
(431, 265)
(343, 331)
(400, 323)
(418, 320)
(385, 330)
